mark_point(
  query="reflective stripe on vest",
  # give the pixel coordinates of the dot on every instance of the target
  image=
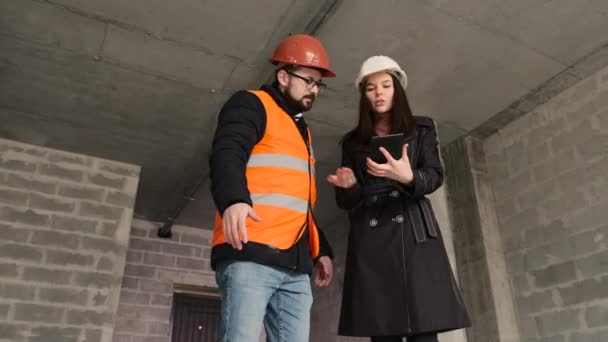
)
(282, 201)
(279, 160)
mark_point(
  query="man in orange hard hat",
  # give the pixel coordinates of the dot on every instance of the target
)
(266, 243)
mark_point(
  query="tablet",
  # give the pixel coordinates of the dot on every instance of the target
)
(393, 143)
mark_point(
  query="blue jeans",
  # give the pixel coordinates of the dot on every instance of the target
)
(253, 294)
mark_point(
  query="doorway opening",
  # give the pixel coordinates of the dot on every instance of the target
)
(196, 314)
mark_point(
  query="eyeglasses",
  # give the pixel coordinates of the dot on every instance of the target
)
(310, 82)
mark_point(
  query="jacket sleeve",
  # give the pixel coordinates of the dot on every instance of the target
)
(324, 246)
(241, 125)
(349, 198)
(428, 174)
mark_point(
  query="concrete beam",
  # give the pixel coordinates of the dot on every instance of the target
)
(139, 51)
(47, 24)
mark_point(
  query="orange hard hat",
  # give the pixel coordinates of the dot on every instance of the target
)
(303, 50)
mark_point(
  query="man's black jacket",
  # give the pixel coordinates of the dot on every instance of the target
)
(241, 125)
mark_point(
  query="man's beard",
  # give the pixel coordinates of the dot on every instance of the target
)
(299, 104)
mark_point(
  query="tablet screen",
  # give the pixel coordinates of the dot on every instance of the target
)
(393, 143)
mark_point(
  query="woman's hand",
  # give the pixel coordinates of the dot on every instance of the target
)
(399, 170)
(344, 178)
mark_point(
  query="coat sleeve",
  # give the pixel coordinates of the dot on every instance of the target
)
(348, 199)
(428, 173)
(241, 125)
(324, 246)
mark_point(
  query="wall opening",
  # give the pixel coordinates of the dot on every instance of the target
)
(196, 314)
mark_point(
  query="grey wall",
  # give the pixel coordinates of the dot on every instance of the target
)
(64, 229)
(155, 267)
(550, 179)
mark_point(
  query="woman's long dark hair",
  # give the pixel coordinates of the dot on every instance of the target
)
(401, 117)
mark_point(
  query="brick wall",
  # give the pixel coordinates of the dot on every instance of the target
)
(154, 267)
(549, 171)
(64, 227)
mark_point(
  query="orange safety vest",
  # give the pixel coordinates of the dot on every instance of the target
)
(280, 178)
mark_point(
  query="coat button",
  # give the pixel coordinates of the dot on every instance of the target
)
(398, 218)
(373, 222)
(394, 194)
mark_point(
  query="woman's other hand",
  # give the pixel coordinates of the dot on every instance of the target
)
(344, 178)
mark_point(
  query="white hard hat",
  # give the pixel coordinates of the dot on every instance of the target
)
(376, 64)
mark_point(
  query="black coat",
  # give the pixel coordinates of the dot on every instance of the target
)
(398, 280)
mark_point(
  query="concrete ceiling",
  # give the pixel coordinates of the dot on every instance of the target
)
(141, 81)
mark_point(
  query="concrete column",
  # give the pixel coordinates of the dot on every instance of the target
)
(479, 255)
(439, 201)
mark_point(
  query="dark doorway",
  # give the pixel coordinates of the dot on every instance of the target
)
(196, 318)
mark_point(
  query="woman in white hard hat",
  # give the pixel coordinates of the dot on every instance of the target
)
(398, 281)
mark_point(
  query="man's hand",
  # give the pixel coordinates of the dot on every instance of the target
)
(234, 223)
(324, 271)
